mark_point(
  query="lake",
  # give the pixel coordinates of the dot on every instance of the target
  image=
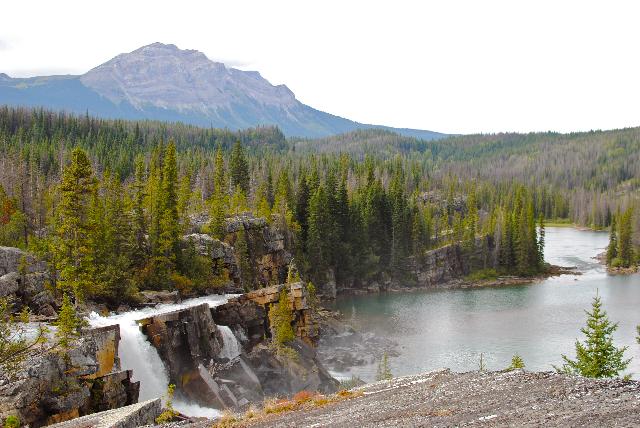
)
(539, 321)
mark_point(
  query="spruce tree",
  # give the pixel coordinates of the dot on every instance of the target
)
(280, 319)
(625, 246)
(72, 249)
(597, 357)
(612, 248)
(239, 168)
(68, 324)
(384, 371)
(139, 223)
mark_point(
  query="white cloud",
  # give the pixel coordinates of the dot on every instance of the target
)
(455, 66)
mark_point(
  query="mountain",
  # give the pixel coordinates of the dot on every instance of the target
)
(163, 82)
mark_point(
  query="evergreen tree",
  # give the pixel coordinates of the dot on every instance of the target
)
(244, 260)
(625, 247)
(72, 249)
(318, 253)
(612, 248)
(384, 371)
(280, 319)
(139, 225)
(597, 356)
(68, 324)
(239, 168)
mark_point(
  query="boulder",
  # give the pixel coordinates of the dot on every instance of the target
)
(11, 258)
(281, 374)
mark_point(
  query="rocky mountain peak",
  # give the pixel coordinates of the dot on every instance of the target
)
(165, 76)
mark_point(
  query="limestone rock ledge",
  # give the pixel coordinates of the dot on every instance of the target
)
(444, 398)
(131, 416)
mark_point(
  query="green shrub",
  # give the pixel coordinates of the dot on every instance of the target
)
(12, 422)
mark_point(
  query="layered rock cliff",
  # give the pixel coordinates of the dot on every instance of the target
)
(196, 349)
(54, 386)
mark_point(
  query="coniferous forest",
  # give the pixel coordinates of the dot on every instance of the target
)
(107, 202)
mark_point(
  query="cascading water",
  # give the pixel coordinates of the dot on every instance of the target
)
(231, 347)
(137, 354)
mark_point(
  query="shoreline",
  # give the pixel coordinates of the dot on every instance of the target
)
(462, 283)
(601, 258)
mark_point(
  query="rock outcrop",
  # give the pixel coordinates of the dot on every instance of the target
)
(304, 323)
(191, 342)
(449, 262)
(268, 258)
(23, 280)
(444, 398)
(53, 386)
(132, 416)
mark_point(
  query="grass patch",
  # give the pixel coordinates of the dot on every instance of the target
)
(303, 400)
(482, 275)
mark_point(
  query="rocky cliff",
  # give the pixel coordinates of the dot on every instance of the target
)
(53, 386)
(449, 262)
(198, 347)
(268, 258)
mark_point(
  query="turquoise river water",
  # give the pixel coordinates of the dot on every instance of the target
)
(539, 321)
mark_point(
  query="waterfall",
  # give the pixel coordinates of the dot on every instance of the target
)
(231, 347)
(137, 354)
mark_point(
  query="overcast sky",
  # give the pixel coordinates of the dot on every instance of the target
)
(446, 65)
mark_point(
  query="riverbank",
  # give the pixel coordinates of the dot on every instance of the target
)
(611, 270)
(463, 282)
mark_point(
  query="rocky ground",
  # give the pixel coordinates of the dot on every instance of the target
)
(444, 398)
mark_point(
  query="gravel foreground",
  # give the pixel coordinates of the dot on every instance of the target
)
(443, 398)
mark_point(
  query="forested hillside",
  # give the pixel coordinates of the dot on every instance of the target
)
(107, 202)
(591, 174)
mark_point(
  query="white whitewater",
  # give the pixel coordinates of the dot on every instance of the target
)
(137, 354)
(231, 347)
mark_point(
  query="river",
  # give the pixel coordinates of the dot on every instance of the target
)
(539, 321)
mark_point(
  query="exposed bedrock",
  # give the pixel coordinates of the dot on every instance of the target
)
(195, 347)
(52, 387)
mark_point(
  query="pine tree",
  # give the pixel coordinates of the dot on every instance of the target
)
(384, 371)
(139, 225)
(72, 249)
(612, 248)
(541, 242)
(625, 247)
(317, 244)
(244, 260)
(239, 168)
(68, 324)
(597, 356)
(280, 319)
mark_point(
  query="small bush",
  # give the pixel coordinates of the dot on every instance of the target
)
(353, 382)
(516, 363)
(482, 275)
(12, 422)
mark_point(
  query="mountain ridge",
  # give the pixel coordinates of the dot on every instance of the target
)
(163, 82)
